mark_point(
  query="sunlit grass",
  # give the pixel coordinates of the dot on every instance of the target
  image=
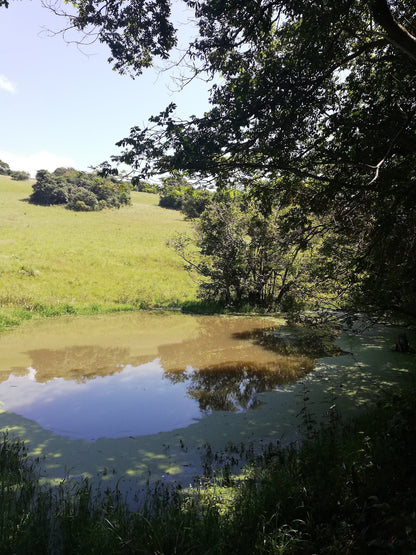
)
(55, 261)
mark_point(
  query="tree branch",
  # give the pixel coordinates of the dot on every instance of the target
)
(396, 34)
(390, 148)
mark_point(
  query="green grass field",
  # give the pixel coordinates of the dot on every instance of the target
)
(55, 261)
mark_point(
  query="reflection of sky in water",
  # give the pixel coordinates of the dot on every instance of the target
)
(138, 375)
(153, 376)
(135, 401)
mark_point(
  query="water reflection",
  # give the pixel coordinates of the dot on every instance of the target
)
(292, 341)
(159, 375)
(235, 386)
(78, 363)
(126, 403)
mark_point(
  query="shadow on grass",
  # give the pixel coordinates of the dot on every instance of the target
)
(349, 489)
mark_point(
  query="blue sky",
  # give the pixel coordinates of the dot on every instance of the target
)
(63, 107)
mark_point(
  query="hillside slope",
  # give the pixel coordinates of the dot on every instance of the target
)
(54, 260)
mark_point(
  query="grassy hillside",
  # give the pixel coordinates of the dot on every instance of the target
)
(55, 261)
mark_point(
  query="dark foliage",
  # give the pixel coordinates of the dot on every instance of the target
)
(145, 187)
(318, 95)
(15, 175)
(78, 190)
(4, 168)
(19, 175)
(178, 193)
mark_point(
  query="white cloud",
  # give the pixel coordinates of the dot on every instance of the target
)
(7, 85)
(39, 161)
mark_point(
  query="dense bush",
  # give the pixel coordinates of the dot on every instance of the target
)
(80, 191)
(195, 201)
(19, 175)
(243, 257)
(177, 193)
(172, 191)
(48, 190)
(145, 187)
(82, 199)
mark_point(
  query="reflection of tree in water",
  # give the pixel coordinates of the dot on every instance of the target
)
(77, 362)
(220, 373)
(217, 342)
(235, 386)
(293, 341)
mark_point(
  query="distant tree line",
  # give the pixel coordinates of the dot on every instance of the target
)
(79, 190)
(145, 187)
(16, 175)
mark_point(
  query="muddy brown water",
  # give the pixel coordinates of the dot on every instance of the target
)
(128, 398)
(138, 374)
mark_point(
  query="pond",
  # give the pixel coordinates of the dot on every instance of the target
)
(142, 394)
(139, 374)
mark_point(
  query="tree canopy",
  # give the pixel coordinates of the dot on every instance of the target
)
(4, 168)
(315, 98)
(80, 191)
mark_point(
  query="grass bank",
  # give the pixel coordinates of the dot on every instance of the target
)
(349, 489)
(55, 261)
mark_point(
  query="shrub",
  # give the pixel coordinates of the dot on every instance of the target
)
(144, 187)
(48, 191)
(82, 199)
(79, 206)
(19, 175)
(177, 193)
(78, 190)
(172, 191)
(242, 256)
(195, 201)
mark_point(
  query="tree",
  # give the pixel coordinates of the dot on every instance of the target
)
(4, 168)
(178, 193)
(318, 94)
(172, 190)
(247, 257)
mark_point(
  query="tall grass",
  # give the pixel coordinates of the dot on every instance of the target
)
(55, 261)
(349, 489)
